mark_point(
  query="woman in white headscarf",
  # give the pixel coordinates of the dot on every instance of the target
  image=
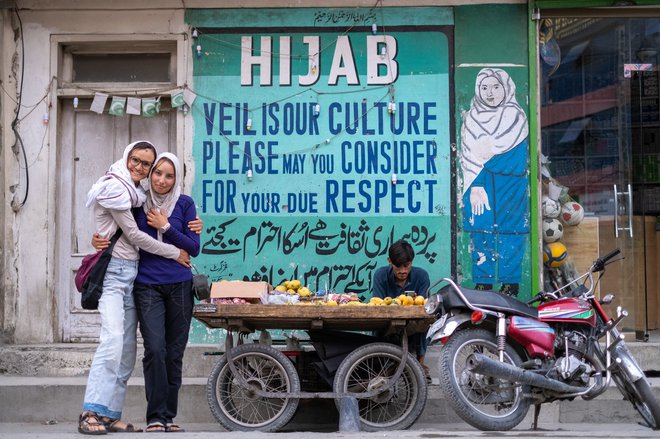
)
(113, 196)
(494, 162)
(163, 292)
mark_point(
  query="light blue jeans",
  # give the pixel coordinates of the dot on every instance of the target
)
(115, 356)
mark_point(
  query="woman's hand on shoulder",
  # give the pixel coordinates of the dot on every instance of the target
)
(196, 225)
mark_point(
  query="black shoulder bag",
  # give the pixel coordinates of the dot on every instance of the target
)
(93, 285)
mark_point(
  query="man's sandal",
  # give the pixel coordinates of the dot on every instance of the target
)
(173, 428)
(89, 423)
(118, 426)
(155, 427)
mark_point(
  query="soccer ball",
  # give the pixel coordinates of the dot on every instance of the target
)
(572, 213)
(553, 230)
(549, 207)
(554, 254)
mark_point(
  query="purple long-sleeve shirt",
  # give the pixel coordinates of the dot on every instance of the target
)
(154, 269)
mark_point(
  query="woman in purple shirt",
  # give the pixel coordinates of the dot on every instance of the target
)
(163, 291)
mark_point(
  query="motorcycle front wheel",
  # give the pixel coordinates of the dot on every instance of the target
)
(640, 394)
(487, 403)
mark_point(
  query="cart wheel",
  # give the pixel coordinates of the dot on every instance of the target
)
(239, 408)
(370, 367)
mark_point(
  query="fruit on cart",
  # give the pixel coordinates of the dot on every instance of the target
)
(331, 303)
(353, 303)
(304, 292)
(420, 300)
(388, 300)
(294, 286)
(376, 301)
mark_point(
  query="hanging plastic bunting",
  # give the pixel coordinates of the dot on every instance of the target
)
(150, 107)
(133, 106)
(177, 98)
(117, 106)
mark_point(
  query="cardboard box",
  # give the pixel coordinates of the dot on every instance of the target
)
(250, 291)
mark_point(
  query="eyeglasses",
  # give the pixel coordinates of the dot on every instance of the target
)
(137, 162)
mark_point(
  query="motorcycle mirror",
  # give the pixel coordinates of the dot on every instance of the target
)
(432, 304)
(607, 299)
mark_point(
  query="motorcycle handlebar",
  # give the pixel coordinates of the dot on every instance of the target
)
(599, 264)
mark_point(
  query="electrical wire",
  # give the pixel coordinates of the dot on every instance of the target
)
(14, 124)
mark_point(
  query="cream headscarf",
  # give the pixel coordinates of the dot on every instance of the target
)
(488, 131)
(165, 202)
(116, 189)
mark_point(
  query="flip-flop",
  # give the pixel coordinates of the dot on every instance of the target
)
(155, 427)
(173, 428)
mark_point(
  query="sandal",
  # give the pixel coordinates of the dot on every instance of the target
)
(173, 428)
(119, 426)
(155, 427)
(89, 423)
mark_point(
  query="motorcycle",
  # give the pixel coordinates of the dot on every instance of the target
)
(501, 355)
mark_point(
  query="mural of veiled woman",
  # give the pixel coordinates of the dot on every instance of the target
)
(494, 164)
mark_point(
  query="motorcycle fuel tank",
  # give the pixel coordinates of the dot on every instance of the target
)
(536, 337)
(568, 310)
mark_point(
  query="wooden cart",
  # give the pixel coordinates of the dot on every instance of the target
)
(257, 387)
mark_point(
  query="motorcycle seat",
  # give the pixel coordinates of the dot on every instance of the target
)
(488, 300)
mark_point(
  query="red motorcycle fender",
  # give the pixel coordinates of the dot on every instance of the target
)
(444, 327)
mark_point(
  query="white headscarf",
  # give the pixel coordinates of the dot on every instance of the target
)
(488, 131)
(165, 202)
(116, 189)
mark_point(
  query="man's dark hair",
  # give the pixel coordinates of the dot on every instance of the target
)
(401, 253)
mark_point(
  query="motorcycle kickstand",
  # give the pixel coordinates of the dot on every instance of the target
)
(537, 411)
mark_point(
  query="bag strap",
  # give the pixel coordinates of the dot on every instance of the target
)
(114, 239)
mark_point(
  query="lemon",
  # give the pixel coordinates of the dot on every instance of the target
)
(294, 284)
(387, 301)
(331, 303)
(419, 300)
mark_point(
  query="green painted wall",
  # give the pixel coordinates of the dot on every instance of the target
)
(254, 229)
(490, 36)
(328, 192)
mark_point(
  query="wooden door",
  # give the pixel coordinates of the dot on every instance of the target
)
(88, 144)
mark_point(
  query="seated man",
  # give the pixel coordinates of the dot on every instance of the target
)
(400, 277)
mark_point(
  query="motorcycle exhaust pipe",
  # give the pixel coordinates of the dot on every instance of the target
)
(479, 363)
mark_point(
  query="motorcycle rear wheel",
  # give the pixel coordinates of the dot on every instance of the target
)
(487, 403)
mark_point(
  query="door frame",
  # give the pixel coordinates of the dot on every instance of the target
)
(60, 278)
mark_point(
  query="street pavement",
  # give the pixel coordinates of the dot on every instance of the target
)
(67, 430)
